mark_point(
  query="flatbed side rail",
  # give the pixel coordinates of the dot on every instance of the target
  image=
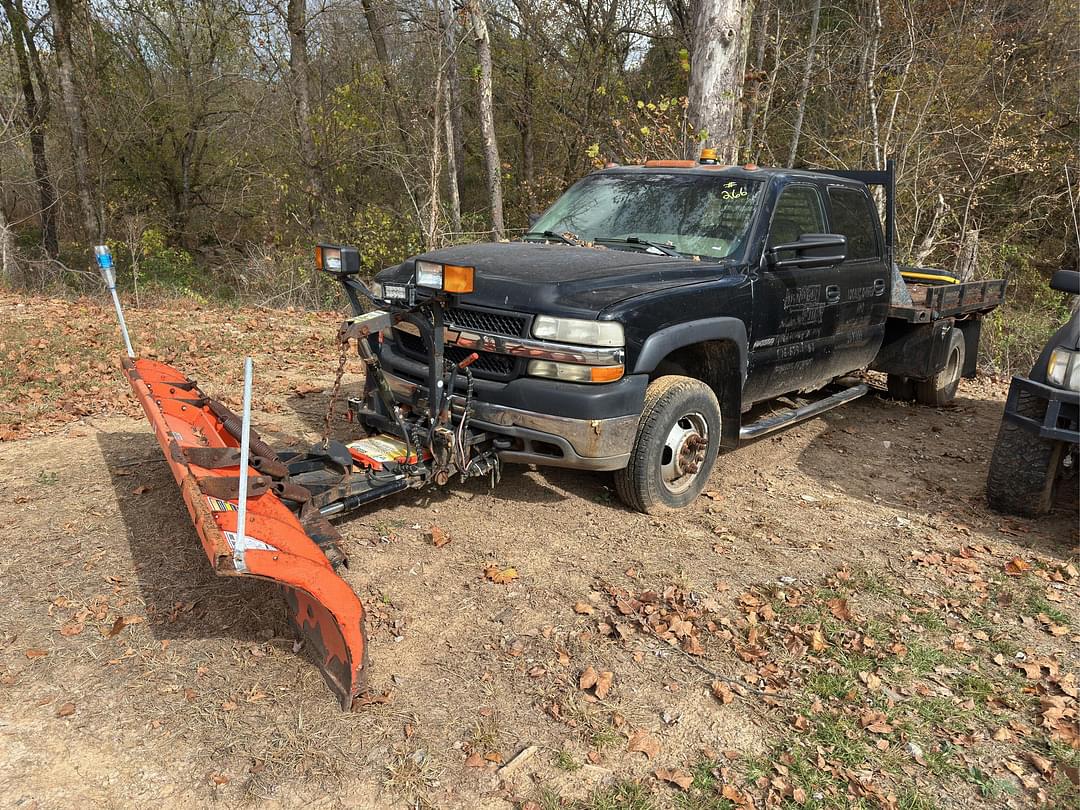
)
(324, 610)
(933, 301)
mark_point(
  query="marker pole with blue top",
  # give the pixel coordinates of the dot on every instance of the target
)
(105, 265)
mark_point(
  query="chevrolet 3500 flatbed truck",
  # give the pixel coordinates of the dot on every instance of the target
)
(644, 315)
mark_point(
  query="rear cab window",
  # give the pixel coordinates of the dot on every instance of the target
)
(798, 211)
(854, 216)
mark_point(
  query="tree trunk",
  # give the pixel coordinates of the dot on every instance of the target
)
(383, 55)
(717, 68)
(804, 87)
(300, 82)
(487, 118)
(61, 13)
(452, 121)
(760, 30)
(9, 267)
(967, 262)
(36, 104)
(453, 89)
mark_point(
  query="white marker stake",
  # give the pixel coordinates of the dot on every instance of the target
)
(245, 434)
(105, 264)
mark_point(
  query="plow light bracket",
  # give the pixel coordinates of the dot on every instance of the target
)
(337, 260)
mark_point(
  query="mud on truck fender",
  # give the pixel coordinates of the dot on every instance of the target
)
(712, 350)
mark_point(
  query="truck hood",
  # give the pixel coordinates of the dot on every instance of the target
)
(560, 279)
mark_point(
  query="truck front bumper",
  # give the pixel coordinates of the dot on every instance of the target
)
(539, 438)
(1061, 420)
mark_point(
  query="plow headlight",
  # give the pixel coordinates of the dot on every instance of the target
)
(584, 333)
(453, 278)
(337, 259)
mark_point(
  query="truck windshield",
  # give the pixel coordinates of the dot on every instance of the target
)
(695, 214)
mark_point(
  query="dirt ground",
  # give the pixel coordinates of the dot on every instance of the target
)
(840, 620)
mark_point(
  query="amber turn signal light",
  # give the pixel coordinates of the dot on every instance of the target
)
(457, 278)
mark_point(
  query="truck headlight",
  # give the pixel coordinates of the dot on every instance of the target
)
(1063, 368)
(571, 372)
(573, 330)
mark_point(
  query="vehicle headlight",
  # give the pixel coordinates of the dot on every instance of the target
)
(573, 330)
(571, 372)
(1063, 368)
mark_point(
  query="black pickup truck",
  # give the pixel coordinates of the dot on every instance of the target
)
(639, 322)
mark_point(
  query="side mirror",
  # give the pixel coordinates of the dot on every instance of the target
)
(810, 250)
(1066, 281)
(337, 260)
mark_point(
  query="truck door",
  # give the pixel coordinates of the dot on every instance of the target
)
(863, 277)
(794, 322)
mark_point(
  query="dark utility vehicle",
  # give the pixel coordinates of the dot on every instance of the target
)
(652, 307)
(1040, 429)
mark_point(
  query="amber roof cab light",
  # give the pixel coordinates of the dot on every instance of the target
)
(708, 156)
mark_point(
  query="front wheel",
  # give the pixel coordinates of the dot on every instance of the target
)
(678, 438)
(1024, 467)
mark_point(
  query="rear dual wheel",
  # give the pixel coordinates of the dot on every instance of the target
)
(676, 445)
(940, 389)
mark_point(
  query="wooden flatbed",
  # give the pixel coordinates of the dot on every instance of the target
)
(930, 302)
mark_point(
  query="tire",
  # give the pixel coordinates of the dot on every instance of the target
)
(940, 389)
(902, 388)
(669, 464)
(1024, 467)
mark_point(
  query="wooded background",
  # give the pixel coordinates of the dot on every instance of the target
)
(213, 141)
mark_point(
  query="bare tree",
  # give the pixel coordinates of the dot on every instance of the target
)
(487, 117)
(717, 69)
(36, 104)
(300, 84)
(804, 86)
(61, 12)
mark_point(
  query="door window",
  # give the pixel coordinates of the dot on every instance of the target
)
(853, 215)
(798, 211)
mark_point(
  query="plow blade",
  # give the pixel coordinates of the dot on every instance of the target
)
(199, 437)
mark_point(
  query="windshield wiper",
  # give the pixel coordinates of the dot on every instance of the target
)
(667, 250)
(566, 238)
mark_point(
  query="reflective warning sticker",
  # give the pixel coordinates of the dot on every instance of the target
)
(218, 505)
(380, 448)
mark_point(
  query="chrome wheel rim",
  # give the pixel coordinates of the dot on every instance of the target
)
(684, 451)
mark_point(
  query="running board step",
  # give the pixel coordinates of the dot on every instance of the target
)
(771, 424)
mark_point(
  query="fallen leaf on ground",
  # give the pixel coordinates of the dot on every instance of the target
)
(500, 576)
(439, 538)
(675, 776)
(71, 629)
(839, 609)
(643, 742)
(588, 678)
(494, 756)
(474, 760)
(32, 653)
(1016, 566)
(584, 608)
(603, 684)
(122, 622)
(141, 489)
(722, 692)
(1041, 763)
(66, 710)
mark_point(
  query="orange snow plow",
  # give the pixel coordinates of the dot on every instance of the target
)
(199, 437)
(264, 512)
